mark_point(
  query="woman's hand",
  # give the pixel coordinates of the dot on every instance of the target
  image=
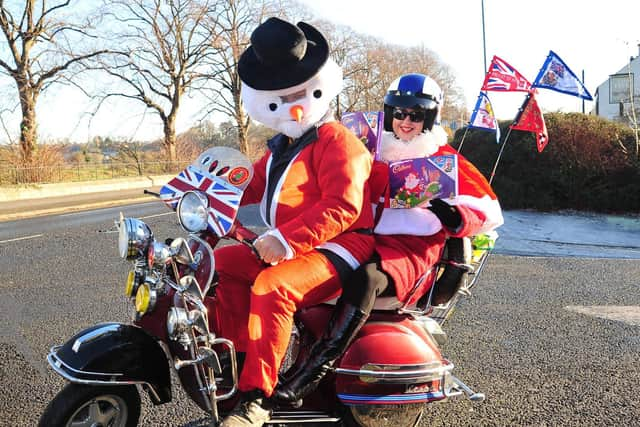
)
(448, 215)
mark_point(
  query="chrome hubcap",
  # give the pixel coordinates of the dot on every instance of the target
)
(101, 411)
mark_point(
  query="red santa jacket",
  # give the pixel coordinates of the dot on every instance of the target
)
(313, 193)
(410, 241)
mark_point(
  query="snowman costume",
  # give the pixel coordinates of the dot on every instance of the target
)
(312, 189)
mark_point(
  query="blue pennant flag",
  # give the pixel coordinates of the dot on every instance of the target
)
(483, 116)
(555, 75)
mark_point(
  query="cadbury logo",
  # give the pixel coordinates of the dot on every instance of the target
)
(400, 168)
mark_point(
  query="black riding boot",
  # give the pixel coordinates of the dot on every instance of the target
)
(345, 323)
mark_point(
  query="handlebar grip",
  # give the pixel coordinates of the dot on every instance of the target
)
(242, 234)
(152, 193)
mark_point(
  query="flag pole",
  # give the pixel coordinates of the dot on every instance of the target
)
(506, 138)
(463, 137)
(495, 166)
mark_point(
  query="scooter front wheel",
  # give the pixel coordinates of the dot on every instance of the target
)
(85, 405)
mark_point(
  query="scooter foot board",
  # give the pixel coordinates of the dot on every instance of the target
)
(295, 417)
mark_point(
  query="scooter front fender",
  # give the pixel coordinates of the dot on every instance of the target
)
(114, 354)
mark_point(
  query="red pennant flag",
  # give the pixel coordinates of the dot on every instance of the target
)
(503, 77)
(530, 119)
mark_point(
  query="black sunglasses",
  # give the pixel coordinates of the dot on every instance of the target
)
(414, 116)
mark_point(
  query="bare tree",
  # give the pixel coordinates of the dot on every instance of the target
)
(42, 49)
(164, 49)
(132, 151)
(233, 26)
(370, 65)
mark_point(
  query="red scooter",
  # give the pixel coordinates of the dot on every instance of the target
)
(173, 288)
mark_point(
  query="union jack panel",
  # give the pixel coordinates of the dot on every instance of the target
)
(503, 77)
(224, 198)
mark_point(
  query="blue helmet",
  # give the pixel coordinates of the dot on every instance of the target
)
(415, 91)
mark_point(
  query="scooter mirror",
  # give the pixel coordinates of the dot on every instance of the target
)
(198, 321)
(190, 288)
(182, 252)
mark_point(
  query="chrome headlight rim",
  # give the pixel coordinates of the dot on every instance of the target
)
(192, 211)
(134, 238)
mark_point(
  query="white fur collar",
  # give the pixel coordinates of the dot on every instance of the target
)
(422, 145)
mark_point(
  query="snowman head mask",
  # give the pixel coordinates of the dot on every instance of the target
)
(288, 79)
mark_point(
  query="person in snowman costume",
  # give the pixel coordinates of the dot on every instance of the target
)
(312, 189)
(409, 241)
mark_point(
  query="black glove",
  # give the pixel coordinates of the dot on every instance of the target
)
(448, 215)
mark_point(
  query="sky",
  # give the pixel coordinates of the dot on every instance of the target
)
(597, 37)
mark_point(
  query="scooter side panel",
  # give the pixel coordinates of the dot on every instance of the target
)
(390, 346)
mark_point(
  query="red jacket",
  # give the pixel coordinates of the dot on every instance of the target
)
(410, 241)
(316, 195)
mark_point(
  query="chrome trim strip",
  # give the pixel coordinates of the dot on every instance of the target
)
(393, 399)
(97, 333)
(399, 374)
(301, 417)
(212, 262)
(54, 359)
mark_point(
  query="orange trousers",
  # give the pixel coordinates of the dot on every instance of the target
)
(256, 304)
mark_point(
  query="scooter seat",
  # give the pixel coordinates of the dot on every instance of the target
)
(389, 303)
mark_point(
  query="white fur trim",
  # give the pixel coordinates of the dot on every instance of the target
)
(271, 223)
(488, 206)
(414, 221)
(422, 145)
(328, 80)
(342, 252)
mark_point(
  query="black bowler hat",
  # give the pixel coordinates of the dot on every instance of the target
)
(282, 55)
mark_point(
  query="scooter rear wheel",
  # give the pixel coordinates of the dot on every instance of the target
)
(78, 404)
(383, 415)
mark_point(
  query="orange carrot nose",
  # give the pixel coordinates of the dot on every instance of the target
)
(296, 112)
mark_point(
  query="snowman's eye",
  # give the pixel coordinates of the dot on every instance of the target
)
(317, 93)
(273, 106)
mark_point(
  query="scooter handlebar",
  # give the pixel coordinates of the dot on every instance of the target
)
(245, 236)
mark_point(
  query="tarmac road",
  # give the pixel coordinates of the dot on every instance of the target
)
(530, 337)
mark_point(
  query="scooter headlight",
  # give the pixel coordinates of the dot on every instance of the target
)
(134, 238)
(177, 323)
(145, 299)
(192, 211)
(131, 285)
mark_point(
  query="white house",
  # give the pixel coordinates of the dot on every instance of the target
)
(613, 97)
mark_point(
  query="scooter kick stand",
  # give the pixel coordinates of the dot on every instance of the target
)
(472, 395)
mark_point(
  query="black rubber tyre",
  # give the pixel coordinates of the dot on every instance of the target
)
(76, 404)
(382, 415)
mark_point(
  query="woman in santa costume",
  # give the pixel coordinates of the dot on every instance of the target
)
(311, 186)
(408, 241)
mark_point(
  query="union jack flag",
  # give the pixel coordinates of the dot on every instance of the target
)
(503, 77)
(224, 199)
